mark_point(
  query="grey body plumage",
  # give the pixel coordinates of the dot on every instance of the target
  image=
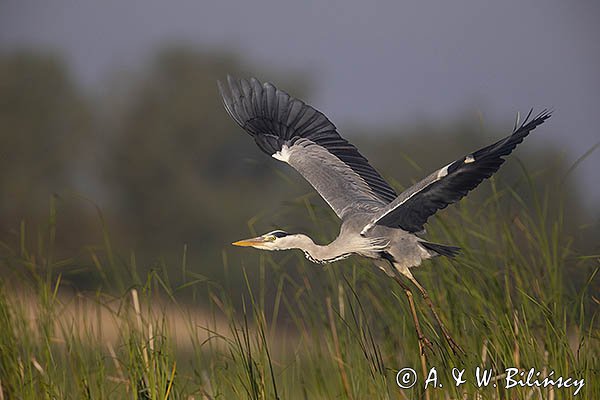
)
(377, 223)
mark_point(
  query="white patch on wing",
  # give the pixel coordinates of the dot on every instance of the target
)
(283, 154)
(367, 227)
(442, 172)
(469, 159)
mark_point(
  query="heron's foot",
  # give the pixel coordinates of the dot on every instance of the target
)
(425, 344)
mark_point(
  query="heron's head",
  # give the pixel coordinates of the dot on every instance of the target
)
(274, 240)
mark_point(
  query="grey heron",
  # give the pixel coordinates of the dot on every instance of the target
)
(376, 222)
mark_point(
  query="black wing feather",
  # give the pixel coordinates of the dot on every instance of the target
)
(274, 118)
(462, 176)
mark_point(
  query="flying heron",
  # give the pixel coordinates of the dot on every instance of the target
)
(376, 222)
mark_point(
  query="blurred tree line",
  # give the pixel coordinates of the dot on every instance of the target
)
(166, 165)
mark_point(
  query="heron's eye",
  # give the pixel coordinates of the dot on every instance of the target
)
(270, 238)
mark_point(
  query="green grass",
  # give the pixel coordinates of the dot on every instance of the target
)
(518, 296)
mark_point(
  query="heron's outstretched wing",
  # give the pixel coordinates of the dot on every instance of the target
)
(294, 132)
(449, 184)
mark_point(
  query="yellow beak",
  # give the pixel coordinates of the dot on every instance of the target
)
(249, 242)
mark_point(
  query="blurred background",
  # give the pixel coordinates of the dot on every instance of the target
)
(109, 112)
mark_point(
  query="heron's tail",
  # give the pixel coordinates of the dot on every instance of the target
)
(441, 249)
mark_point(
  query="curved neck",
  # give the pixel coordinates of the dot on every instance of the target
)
(317, 253)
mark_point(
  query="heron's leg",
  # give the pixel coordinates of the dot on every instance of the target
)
(391, 270)
(453, 345)
(423, 341)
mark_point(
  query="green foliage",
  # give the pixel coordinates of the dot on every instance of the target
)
(518, 296)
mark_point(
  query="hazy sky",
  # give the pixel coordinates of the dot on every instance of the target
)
(373, 62)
